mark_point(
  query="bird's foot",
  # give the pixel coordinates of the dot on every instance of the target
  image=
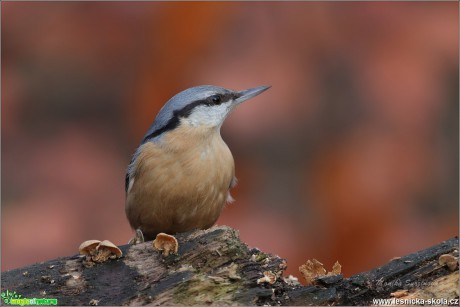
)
(166, 243)
(138, 238)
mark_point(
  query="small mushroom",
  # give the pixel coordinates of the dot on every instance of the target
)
(268, 277)
(105, 250)
(448, 260)
(166, 243)
(88, 248)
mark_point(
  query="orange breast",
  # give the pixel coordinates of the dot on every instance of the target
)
(182, 187)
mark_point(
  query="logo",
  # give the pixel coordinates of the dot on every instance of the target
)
(12, 298)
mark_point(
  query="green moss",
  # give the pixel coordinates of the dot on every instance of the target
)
(260, 257)
(206, 289)
(216, 279)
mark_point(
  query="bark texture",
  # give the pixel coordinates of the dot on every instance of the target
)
(213, 267)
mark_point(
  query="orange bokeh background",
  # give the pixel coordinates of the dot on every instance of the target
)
(352, 155)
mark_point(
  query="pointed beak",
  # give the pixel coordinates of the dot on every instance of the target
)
(249, 93)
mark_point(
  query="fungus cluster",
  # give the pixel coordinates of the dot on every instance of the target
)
(313, 269)
(98, 251)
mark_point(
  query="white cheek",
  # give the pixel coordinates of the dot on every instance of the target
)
(208, 116)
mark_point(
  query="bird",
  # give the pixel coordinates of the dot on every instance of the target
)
(180, 176)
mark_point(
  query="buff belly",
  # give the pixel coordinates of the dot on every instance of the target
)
(178, 191)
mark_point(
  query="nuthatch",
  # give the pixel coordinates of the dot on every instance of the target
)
(180, 176)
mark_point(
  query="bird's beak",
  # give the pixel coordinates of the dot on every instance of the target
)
(249, 93)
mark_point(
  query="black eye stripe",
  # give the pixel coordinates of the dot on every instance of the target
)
(216, 99)
(186, 111)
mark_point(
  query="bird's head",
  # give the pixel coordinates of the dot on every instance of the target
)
(204, 106)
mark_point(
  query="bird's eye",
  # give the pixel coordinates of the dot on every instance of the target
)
(216, 99)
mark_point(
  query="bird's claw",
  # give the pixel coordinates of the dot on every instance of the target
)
(138, 238)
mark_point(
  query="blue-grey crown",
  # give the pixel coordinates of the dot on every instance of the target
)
(179, 102)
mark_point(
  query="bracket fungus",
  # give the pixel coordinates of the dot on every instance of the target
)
(166, 243)
(449, 261)
(88, 247)
(107, 249)
(313, 269)
(98, 251)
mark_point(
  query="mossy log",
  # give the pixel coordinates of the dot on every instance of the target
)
(213, 267)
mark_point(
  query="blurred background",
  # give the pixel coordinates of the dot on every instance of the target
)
(352, 155)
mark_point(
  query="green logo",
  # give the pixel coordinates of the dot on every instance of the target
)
(12, 298)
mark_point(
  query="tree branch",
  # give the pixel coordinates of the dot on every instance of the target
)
(214, 267)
